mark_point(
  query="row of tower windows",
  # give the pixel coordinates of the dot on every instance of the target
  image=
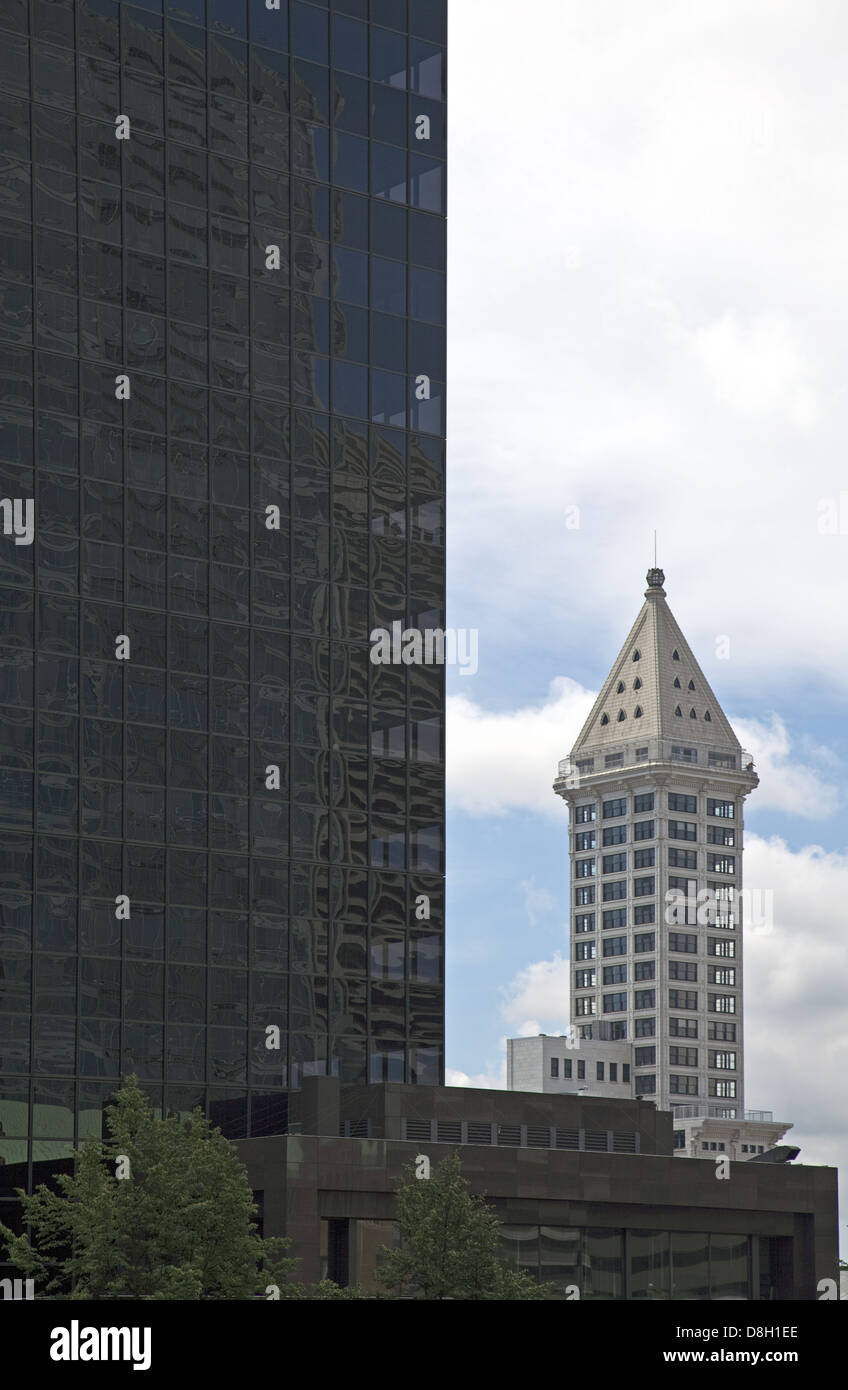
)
(615, 1030)
(637, 685)
(644, 801)
(637, 714)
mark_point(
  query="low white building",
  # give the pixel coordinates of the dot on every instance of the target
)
(562, 1064)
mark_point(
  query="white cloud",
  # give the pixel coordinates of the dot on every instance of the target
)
(501, 761)
(804, 959)
(796, 999)
(757, 368)
(538, 995)
(536, 900)
(786, 784)
(705, 184)
(492, 1080)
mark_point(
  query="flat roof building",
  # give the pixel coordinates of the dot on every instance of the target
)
(588, 1192)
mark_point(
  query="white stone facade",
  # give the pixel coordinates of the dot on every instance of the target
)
(553, 1065)
(655, 786)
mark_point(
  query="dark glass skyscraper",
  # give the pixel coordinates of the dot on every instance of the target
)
(222, 298)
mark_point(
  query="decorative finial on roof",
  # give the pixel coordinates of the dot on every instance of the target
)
(656, 579)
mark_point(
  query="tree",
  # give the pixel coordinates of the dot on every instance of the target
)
(161, 1210)
(449, 1242)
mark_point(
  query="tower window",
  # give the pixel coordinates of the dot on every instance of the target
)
(692, 714)
(604, 718)
(637, 654)
(621, 716)
(619, 688)
(708, 716)
(678, 711)
(677, 682)
(637, 684)
(637, 713)
(691, 685)
(675, 655)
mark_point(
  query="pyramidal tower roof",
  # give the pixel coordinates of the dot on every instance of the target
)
(655, 689)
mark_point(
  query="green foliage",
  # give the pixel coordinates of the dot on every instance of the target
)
(326, 1290)
(178, 1226)
(449, 1243)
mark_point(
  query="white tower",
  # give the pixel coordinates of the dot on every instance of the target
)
(655, 786)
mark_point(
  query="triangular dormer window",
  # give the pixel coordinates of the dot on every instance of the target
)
(678, 711)
(637, 713)
(675, 655)
(604, 718)
(637, 655)
(619, 688)
(637, 684)
(677, 683)
(691, 685)
(708, 717)
(621, 716)
(692, 714)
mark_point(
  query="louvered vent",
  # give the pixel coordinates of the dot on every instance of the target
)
(449, 1131)
(567, 1139)
(356, 1129)
(419, 1130)
(596, 1140)
(479, 1134)
(538, 1137)
(509, 1135)
(623, 1143)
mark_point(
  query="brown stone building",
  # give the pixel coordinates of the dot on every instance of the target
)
(588, 1191)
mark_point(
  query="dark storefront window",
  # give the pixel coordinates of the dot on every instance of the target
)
(611, 1264)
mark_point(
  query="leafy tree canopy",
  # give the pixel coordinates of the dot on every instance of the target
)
(449, 1243)
(162, 1209)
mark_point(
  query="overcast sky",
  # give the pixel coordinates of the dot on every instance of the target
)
(648, 229)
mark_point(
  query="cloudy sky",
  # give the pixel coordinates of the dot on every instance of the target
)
(648, 302)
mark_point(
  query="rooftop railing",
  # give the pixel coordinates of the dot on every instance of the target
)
(714, 1112)
(654, 750)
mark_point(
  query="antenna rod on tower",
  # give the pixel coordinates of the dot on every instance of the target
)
(655, 550)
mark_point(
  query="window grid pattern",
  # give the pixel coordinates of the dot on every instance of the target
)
(264, 260)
